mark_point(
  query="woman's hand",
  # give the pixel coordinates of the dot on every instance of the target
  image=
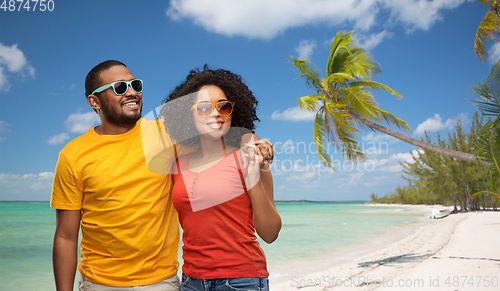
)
(253, 166)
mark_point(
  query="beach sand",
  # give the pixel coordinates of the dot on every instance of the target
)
(458, 252)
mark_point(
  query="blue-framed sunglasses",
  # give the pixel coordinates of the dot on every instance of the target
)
(121, 87)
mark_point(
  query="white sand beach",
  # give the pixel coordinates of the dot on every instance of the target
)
(458, 252)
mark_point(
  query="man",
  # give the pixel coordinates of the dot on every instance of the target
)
(130, 232)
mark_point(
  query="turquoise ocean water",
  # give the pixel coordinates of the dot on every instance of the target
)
(310, 231)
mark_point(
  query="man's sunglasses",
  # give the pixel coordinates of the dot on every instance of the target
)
(225, 108)
(121, 87)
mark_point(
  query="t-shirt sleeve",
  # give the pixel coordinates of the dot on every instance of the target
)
(160, 150)
(184, 150)
(66, 194)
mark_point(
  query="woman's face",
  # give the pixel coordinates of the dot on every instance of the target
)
(214, 125)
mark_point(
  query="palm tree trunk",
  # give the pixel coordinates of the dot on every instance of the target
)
(419, 143)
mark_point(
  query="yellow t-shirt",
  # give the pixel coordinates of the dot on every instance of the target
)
(130, 232)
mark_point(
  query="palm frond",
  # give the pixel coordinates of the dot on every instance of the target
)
(319, 140)
(356, 99)
(339, 78)
(391, 119)
(375, 86)
(338, 52)
(488, 143)
(493, 82)
(337, 114)
(309, 103)
(362, 66)
(488, 29)
(308, 72)
(344, 131)
(489, 93)
(485, 192)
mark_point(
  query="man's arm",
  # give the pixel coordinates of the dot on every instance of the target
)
(65, 249)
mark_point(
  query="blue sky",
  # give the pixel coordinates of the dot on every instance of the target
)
(425, 49)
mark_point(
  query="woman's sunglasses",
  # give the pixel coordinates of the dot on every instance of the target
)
(225, 108)
(121, 87)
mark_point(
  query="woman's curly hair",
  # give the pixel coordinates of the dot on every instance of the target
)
(178, 117)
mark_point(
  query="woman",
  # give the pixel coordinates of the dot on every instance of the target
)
(220, 202)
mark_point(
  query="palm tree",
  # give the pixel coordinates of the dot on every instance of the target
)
(344, 104)
(489, 93)
(488, 28)
(489, 137)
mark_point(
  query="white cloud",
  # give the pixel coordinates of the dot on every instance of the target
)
(391, 164)
(4, 128)
(494, 53)
(420, 14)
(375, 151)
(76, 122)
(370, 41)
(34, 187)
(266, 19)
(4, 85)
(293, 114)
(407, 157)
(435, 123)
(355, 177)
(14, 61)
(303, 177)
(12, 57)
(288, 147)
(45, 175)
(379, 138)
(58, 138)
(81, 122)
(305, 49)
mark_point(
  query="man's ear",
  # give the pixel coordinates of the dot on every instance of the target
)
(94, 102)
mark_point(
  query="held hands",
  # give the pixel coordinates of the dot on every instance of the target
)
(254, 148)
(255, 156)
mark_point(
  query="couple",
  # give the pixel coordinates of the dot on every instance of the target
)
(129, 225)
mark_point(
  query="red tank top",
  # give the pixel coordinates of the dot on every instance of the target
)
(216, 216)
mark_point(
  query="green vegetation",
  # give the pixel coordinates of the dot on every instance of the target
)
(437, 179)
(488, 28)
(488, 141)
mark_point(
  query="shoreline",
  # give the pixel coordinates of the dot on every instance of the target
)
(408, 254)
(345, 255)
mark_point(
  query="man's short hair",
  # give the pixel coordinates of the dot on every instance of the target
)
(92, 81)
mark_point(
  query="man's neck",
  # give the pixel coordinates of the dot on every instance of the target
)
(106, 128)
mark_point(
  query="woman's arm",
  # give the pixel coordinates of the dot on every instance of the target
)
(266, 218)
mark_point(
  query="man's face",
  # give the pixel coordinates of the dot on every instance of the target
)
(120, 110)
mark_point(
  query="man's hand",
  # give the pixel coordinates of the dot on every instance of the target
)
(255, 146)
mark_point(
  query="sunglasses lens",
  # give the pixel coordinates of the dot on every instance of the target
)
(137, 85)
(204, 109)
(120, 88)
(225, 108)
